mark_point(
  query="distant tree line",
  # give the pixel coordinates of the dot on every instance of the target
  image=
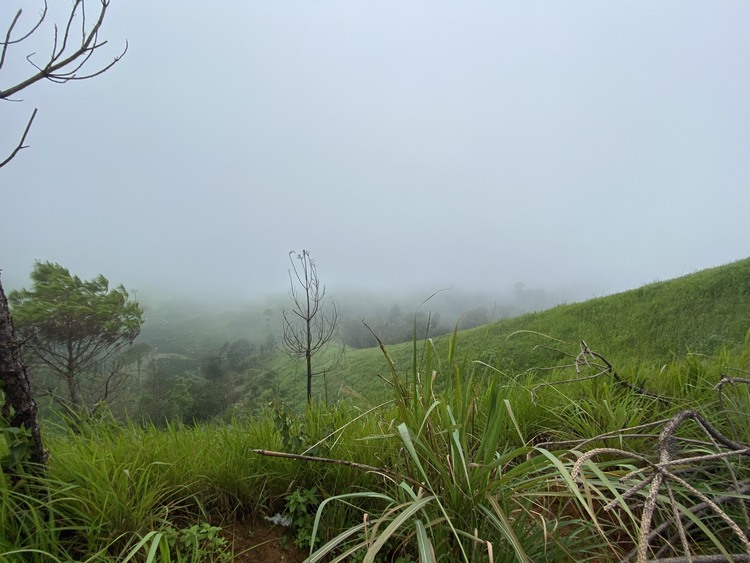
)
(79, 338)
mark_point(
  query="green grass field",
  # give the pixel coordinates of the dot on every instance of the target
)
(510, 442)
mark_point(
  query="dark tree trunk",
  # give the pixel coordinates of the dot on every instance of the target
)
(19, 408)
(308, 351)
(309, 376)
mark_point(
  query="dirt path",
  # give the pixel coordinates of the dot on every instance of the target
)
(258, 541)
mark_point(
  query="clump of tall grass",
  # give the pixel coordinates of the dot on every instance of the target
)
(474, 478)
(108, 487)
(112, 490)
(691, 497)
(466, 491)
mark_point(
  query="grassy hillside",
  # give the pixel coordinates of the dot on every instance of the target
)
(545, 466)
(697, 313)
(648, 326)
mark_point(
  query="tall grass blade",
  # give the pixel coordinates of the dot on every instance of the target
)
(457, 450)
(403, 430)
(154, 537)
(572, 486)
(396, 523)
(452, 345)
(338, 539)
(493, 428)
(512, 416)
(324, 551)
(499, 519)
(424, 545)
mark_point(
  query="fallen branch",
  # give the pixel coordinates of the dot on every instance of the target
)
(663, 475)
(316, 459)
(719, 387)
(703, 559)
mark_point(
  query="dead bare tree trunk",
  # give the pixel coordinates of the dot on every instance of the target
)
(19, 408)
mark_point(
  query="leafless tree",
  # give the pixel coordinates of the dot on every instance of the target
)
(70, 58)
(309, 328)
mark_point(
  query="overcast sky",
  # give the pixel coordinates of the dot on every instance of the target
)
(562, 144)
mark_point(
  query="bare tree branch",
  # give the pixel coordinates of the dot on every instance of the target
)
(719, 387)
(65, 61)
(587, 358)
(20, 145)
(364, 467)
(8, 41)
(734, 558)
(664, 475)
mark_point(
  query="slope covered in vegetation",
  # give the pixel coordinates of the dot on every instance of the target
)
(698, 313)
(628, 451)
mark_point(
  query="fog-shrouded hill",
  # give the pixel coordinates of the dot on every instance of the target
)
(700, 313)
(190, 326)
(696, 313)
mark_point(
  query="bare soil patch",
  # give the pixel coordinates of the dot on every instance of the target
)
(258, 541)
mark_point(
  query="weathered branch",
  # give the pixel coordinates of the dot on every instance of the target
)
(584, 359)
(735, 558)
(8, 41)
(719, 387)
(664, 473)
(20, 145)
(55, 68)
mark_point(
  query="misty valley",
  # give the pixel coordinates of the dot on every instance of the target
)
(196, 428)
(168, 360)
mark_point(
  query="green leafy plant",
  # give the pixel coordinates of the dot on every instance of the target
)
(194, 544)
(199, 542)
(17, 444)
(301, 505)
(291, 430)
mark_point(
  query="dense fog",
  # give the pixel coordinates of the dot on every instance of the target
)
(575, 148)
